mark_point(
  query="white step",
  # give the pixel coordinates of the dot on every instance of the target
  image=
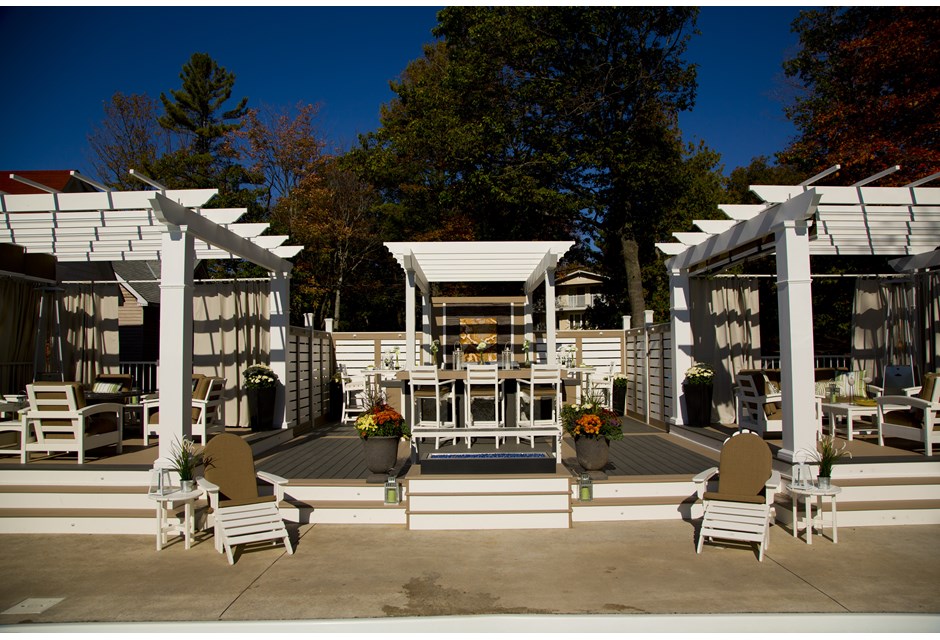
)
(477, 521)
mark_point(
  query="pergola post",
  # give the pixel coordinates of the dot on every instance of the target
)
(409, 318)
(681, 326)
(279, 317)
(425, 329)
(794, 297)
(550, 341)
(528, 327)
(176, 338)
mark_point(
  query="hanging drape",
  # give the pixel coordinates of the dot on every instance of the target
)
(726, 334)
(231, 332)
(90, 330)
(868, 320)
(929, 294)
(19, 302)
(891, 324)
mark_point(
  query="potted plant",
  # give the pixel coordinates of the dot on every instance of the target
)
(827, 454)
(261, 389)
(592, 426)
(434, 348)
(381, 427)
(184, 458)
(336, 395)
(697, 389)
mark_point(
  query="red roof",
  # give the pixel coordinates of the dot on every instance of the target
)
(58, 180)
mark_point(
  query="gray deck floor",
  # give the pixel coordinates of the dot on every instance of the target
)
(334, 452)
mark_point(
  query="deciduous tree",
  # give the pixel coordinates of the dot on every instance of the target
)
(872, 92)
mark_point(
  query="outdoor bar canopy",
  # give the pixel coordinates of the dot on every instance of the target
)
(531, 263)
(167, 225)
(795, 222)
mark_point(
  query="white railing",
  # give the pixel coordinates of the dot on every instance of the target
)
(145, 374)
(820, 362)
(575, 301)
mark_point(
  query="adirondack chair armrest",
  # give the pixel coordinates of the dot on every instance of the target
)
(770, 397)
(211, 489)
(772, 486)
(277, 481)
(149, 397)
(701, 480)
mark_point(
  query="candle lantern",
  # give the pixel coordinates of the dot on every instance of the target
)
(585, 488)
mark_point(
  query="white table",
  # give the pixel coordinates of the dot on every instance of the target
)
(807, 493)
(850, 412)
(164, 505)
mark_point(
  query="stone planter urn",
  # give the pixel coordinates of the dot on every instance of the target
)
(698, 402)
(592, 453)
(381, 453)
(261, 408)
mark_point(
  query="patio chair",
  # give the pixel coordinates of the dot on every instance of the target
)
(742, 507)
(237, 513)
(354, 397)
(911, 417)
(759, 409)
(62, 422)
(425, 385)
(544, 384)
(483, 385)
(207, 415)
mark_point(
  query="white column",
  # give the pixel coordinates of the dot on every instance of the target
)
(176, 338)
(426, 328)
(528, 327)
(409, 319)
(681, 326)
(550, 342)
(279, 312)
(794, 297)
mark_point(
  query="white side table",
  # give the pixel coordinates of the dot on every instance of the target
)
(164, 526)
(807, 493)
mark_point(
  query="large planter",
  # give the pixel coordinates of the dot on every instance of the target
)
(592, 453)
(261, 408)
(698, 402)
(381, 453)
(336, 400)
(620, 399)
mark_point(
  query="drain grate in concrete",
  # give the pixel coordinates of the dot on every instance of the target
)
(32, 605)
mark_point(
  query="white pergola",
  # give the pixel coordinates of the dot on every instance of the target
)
(171, 226)
(530, 263)
(794, 223)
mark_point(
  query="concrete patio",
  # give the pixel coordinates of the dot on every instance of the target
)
(625, 575)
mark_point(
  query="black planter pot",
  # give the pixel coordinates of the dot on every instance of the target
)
(336, 400)
(592, 453)
(698, 402)
(261, 408)
(381, 453)
(620, 399)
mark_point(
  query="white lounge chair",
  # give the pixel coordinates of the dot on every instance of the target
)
(62, 422)
(912, 417)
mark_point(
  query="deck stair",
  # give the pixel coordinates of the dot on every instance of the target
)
(879, 494)
(520, 501)
(638, 498)
(330, 502)
(76, 502)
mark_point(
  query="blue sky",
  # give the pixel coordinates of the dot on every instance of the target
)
(64, 63)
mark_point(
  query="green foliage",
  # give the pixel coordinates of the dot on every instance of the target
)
(185, 457)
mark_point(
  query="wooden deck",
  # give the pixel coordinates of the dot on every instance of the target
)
(334, 452)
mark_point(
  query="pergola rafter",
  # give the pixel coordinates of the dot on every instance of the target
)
(794, 223)
(171, 226)
(530, 263)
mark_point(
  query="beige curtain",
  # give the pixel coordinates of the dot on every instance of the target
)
(929, 284)
(726, 334)
(90, 328)
(868, 320)
(231, 332)
(19, 302)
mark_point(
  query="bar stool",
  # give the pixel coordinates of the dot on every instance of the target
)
(483, 384)
(354, 396)
(425, 384)
(544, 384)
